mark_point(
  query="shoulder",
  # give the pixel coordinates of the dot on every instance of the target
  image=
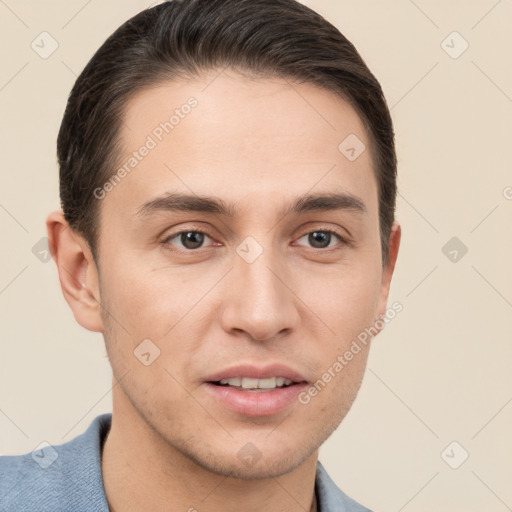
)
(59, 477)
(330, 497)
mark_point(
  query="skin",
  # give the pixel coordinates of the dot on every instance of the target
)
(257, 144)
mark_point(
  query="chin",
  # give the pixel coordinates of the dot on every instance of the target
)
(273, 466)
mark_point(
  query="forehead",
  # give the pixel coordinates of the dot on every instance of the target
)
(238, 137)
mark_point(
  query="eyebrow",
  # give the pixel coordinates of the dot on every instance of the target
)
(176, 202)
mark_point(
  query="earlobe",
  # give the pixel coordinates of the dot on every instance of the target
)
(77, 270)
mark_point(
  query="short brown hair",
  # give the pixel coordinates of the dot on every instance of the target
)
(280, 38)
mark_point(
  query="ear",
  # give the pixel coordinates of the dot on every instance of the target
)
(389, 267)
(77, 270)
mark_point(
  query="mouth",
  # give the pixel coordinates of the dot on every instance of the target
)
(251, 391)
(255, 385)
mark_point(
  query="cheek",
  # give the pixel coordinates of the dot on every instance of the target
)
(345, 299)
(138, 307)
(150, 297)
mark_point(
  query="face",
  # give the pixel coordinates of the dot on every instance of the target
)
(239, 258)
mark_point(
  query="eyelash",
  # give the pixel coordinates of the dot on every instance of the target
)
(342, 240)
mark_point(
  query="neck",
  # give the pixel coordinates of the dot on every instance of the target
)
(142, 472)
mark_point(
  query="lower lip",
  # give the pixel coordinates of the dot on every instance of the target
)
(255, 403)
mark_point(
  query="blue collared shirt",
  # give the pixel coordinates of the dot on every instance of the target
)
(67, 478)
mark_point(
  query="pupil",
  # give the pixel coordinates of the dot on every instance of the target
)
(192, 239)
(319, 239)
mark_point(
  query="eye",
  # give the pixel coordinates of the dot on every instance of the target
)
(188, 240)
(321, 239)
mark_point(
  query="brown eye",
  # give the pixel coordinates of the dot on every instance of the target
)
(187, 239)
(321, 239)
(192, 239)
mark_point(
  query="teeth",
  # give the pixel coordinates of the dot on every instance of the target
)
(250, 383)
(265, 383)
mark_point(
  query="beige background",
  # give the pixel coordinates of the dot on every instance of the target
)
(440, 372)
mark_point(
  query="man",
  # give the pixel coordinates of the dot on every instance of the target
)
(228, 183)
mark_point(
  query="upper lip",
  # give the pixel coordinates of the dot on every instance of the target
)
(256, 372)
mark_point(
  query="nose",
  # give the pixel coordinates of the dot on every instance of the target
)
(258, 301)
